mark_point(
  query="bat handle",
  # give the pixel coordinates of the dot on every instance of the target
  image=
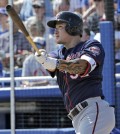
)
(33, 45)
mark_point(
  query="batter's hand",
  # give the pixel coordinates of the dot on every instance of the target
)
(42, 56)
(47, 62)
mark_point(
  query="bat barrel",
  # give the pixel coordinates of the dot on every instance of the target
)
(16, 19)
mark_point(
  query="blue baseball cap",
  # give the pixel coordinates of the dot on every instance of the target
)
(3, 11)
(40, 42)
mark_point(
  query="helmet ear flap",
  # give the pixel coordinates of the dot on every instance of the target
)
(68, 28)
(72, 30)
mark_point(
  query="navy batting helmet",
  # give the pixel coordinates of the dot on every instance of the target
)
(74, 22)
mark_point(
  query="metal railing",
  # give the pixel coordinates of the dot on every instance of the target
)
(18, 80)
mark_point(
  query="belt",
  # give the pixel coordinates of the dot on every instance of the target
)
(77, 109)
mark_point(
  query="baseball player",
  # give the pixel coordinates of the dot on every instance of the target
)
(78, 66)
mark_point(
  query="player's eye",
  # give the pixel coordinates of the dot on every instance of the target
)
(59, 28)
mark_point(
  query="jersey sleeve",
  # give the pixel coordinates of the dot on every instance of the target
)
(94, 49)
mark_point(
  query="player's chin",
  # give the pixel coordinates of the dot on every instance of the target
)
(58, 41)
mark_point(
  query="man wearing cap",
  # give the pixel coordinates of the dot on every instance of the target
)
(39, 15)
(27, 4)
(39, 12)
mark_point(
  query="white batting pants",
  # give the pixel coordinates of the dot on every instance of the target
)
(97, 118)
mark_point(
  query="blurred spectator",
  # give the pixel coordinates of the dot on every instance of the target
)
(61, 5)
(20, 42)
(36, 28)
(18, 60)
(4, 26)
(27, 4)
(3, 3)
(32, 68)
(87, 34)
(97, 16)
(5, 60)
(20, 45)
(3, 20)
(76, 6)
(4, 42)
(39, 9)
(39, 12)
(25, 14)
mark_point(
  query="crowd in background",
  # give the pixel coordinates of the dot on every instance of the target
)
(35, 14)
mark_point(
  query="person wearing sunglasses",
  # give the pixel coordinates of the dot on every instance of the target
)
(39, 8)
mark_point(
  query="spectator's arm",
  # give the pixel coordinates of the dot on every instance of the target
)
(89, 11)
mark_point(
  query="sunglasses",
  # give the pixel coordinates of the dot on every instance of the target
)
(97, 0)
(36, 6)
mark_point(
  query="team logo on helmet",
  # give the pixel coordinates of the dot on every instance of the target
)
(58, 15)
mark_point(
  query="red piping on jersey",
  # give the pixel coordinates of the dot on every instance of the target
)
(66, 80)
(87, 69)
(96, 118)
(35, 72)
(44, 73)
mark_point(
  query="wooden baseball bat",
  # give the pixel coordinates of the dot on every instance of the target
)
(16, 19)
